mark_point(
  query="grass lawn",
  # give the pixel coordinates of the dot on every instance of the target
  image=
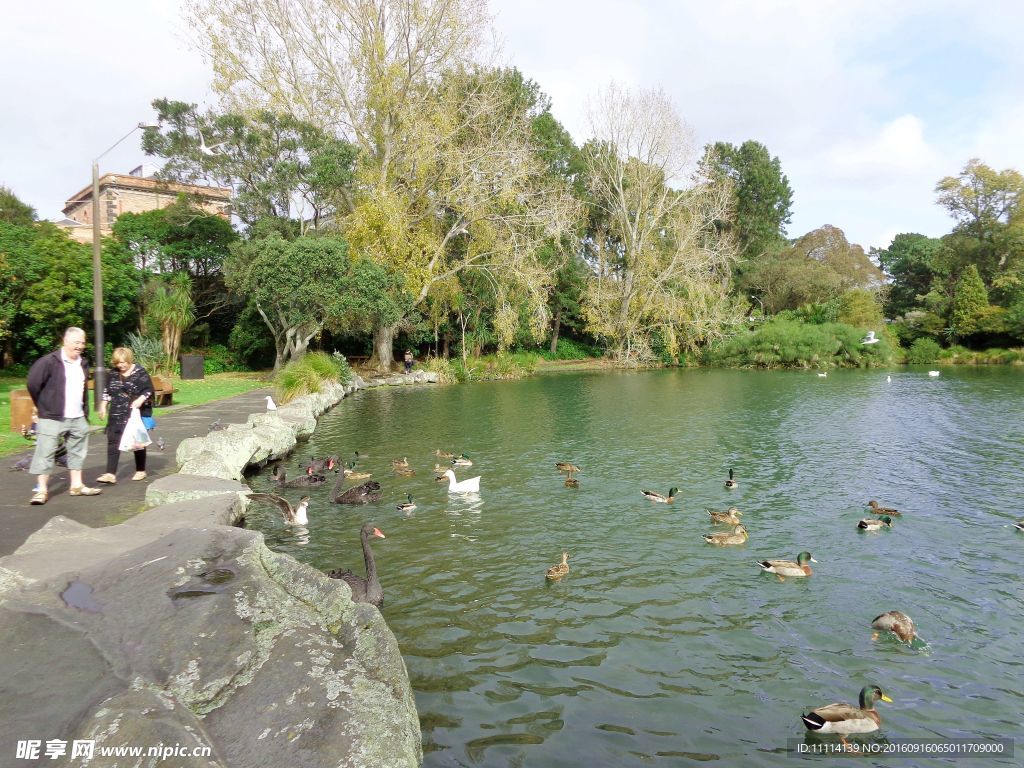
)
(216, 386)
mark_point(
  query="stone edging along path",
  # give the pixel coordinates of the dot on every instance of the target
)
(178, 629)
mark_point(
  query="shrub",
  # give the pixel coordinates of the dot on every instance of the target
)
(784, 342)
(923, 350)
(308, 374)
(443, 367)
(148, 351)
(570, 349)
(220, 359)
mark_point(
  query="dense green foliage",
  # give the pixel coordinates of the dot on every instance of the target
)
(308, 375)
(13, 210)
(786, 342)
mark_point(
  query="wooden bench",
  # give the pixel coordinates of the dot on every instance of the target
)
(163, 391)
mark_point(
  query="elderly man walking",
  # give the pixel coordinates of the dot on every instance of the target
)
(56, 383)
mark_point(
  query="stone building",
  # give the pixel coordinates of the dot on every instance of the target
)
(135, 193)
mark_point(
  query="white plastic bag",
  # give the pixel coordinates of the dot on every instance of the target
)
(135, 436)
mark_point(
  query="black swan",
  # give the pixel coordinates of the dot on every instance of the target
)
(319, 466)
(366, 590)
(357, 494)
(302, 481)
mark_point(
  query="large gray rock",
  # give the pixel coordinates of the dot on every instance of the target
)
(201, 636)
(180, 487)
(209, 464)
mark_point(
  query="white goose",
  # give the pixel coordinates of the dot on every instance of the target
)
(464, 486)
(933, 373)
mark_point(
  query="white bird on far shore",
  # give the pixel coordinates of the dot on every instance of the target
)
(870, 338)
(271, 405)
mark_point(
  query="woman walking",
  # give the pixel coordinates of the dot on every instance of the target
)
(127, 390)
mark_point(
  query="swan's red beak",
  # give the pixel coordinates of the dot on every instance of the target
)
(330, 463)
(376, 532)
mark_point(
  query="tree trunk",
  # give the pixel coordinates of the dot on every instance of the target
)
(554, 332)
(383, 346)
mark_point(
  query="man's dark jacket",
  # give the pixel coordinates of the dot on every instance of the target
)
(46, 382)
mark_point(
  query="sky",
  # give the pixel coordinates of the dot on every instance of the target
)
(866, 104)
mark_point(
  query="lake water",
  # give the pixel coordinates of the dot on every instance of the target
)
(658, 649)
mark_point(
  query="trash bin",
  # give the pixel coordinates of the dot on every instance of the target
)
(21, 410)
(192, 366)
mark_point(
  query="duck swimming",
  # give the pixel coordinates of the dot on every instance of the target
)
(879, 510)
(896, 622)
(731, 483)
(657, 497)
(875, 524)
(292, 516)
(565, 466)
(462, 460)
(783, 568)
(845, 718)
(558, 571)
(352, 474)
(738, 536)
(406, 506)
(472, 485)
(731, 516)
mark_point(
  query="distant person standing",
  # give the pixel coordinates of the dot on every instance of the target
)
(128, 390)
(56, 383)
(407, 362)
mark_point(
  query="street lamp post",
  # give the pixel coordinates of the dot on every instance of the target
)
(99, 379)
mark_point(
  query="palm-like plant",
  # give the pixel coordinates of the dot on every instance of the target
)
(172, 308)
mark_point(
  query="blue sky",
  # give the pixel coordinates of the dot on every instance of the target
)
(867, 104)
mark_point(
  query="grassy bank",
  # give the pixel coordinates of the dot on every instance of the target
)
(217, 386)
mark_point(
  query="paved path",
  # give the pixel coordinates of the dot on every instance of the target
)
(19, 520)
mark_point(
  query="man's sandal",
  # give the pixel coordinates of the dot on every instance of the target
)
(84, 490)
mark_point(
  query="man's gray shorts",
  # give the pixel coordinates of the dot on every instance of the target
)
(48, 432)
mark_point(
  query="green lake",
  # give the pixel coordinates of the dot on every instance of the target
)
(656, 648)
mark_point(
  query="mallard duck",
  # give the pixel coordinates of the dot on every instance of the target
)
(738, 536)
(875, 524)
(1019, 525)
(571, 482)
(731, 516)
(402, 463)
(472, 485)
(292, 516)
(404, 471)
(462, 460)
(823, 375)
(406, 506)
(659, 498)
(845, 718)
(351, 473)
(896, 622)
(731, 483)
(558, 571)
(877, 510)
(565, 466)
(783, 568)
(444, 454)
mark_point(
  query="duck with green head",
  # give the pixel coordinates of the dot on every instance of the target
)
(846, 718)
(657, 497)
(406, 506)
(731, 483)
(874, 524)
(783, 568)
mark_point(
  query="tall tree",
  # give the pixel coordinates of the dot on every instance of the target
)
(172, 308)
(970, 302)
(13, 210)
(278, 166)
(661, 265)
(986, 204)
(762, 200)
(446, 178)
(913, 262)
